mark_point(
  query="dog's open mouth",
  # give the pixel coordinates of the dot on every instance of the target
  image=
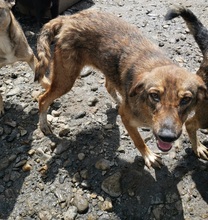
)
(164, 146)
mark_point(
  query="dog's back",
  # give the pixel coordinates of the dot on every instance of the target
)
(76, 35)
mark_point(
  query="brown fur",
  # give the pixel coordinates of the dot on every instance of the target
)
(200, 34)
(154, 92)
(13, 43)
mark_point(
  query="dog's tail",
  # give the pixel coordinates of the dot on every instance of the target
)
(195, 26)
(47, 36)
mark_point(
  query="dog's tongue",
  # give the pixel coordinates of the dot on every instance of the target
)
(164, 146)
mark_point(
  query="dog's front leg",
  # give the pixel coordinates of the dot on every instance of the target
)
(150, 158)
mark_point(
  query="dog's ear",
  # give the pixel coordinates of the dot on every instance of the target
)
(136, 89)
(138, 85)
(202, 91)
(10, 3)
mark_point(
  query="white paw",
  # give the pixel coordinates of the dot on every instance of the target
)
(201, 151)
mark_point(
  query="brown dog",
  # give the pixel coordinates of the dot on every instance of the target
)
(154, 91)
(200, 119)
(13, 43)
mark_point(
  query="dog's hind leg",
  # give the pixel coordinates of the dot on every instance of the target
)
(32, 60)
(199, 120)
(63, 79)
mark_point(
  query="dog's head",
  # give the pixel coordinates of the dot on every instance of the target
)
(5, 18)
(166, 95)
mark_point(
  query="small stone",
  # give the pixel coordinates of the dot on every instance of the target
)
(27, 167)
(107, 205)
(81, 156)
(76, 178)
(80, 115)
(183, 37)
(81, 203)
(59, 195)
(108, 126)
(121, 149)
(84, 174)
(13, 92)
(93, 195)
(101, 198)
(35, 94)
(45, 215)
(21, 163)
(157, 212)
(161, 44)
(23, 132)
(64, 131)
(29, 33)
(71, 213)
(55, 113)
(85, 184)
(62, 178)
(92, 216)
(12, 157)
(86, 71)
(43, 169)
(11, 123)
(34, 112)
(94, 88)
(111, 185)
(61, 148)
(92, 101)
(50, 117)
(31, 152)
(103, 164)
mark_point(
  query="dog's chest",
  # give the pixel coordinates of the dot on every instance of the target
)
(6, 50)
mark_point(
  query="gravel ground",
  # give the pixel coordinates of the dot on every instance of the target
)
(89, 168)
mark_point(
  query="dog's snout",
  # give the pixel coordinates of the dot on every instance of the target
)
(166, 135)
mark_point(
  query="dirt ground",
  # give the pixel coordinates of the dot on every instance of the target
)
(89, 168)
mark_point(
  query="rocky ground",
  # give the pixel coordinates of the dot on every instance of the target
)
(89, 168)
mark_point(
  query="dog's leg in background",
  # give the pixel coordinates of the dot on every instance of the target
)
(193, 124)
(1, 105)
(112, 91)
(150, 158)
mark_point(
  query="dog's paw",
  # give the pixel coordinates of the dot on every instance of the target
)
(152, 160)
(46, 129)
(201, 151)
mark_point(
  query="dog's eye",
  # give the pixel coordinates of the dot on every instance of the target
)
(155, 97)
(185, 100)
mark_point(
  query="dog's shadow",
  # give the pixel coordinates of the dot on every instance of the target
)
(144, 193)
(197, 169)
(17, 127)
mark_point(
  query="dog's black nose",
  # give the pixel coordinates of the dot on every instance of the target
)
(167, 136)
